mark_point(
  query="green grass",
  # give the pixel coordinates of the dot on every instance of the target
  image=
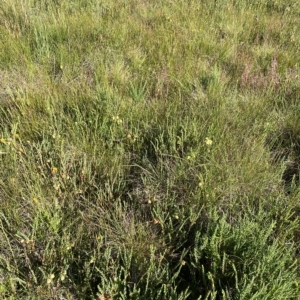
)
(149, 149)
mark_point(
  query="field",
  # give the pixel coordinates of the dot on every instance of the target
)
(149, 149)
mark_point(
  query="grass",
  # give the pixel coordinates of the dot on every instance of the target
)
(149, 150)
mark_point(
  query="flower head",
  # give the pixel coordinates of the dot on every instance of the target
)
(54, 170)
(208, 141)
(50, 278)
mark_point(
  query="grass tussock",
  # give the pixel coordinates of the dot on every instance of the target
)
(149, 149)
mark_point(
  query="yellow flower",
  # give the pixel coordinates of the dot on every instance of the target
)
(191, 157)
(208, 141)
(54, 170)
(36, 200)
(117, 120)
(63, 275)
(50, 278)
(2, 140)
